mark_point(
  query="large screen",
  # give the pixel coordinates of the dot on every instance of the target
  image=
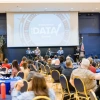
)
(42, 29)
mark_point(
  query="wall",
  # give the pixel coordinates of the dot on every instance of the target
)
(89, 28)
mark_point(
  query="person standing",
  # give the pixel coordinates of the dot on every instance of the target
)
(60, 52)
(28, 53)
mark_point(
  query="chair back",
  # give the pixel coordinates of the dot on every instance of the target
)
(64, 83)
(55, 75)
(92, 95)
(41, 98)
(80, 86)
(47, 68)
(25, 87)
(42, 68)
(20, 74)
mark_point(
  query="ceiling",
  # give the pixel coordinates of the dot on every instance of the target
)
(37, 7)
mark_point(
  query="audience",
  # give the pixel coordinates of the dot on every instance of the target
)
(49, 62)
(91, 68)
(67, 72)
(5, 64)
(89, 78)
(38, 88)
(15, 68)
(23, 59)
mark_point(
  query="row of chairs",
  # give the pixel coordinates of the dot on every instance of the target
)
(79, 84)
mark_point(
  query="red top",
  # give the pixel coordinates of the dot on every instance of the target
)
(6, 65)
(21, 63)
(93, 69)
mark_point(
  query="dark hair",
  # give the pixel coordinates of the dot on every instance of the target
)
(15, 65)
(95, 57)
(39, 85)
(61, 59)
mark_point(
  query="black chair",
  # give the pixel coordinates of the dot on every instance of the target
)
(65, 88)
(47, 68)
(92, 95)
(55, 75)
(20, 74)
(80, 88)
(25, 87)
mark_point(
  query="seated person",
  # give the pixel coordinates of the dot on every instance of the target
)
(23, 59)
(89, 78)
(5, 64)
(62, 63)
(15, 68)
(49, 52)
(57, 66)
(67, 72)
(37, 52)
(49, 62)
(60, 52)
(25, 69)
(91, 68)
(69, 57)
(38, 87)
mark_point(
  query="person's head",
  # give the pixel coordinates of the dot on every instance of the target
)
(91, 60)
(68, 57)
(49, 61)
(69, 64)
(28, 48)
(48, 49)
(15, 65)
(24, 58)
(29, 62)
(61, 58)
(19, 84)
(57, 62)
(25, 65)
(39, 85)
(95, 57)
(85, 63)
(55, 56)
(5, 60)
(60, 48)
(37, 48)
(46, 58)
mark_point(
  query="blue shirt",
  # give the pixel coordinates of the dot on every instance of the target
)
(60, 52)
(29, 95)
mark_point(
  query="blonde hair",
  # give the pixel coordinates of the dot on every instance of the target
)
(85, 63)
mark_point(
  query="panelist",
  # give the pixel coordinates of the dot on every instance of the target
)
(60, 52)
(37, 51)
(28, 52)
(49, 52)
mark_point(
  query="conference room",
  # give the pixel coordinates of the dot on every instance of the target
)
(49, 50)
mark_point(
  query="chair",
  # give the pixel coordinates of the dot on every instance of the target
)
(41, 98)
(47, 68)
(92, 95)
(65, 87)
(80, 88)
(20, 74)
(25, 87)
(55, 75)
